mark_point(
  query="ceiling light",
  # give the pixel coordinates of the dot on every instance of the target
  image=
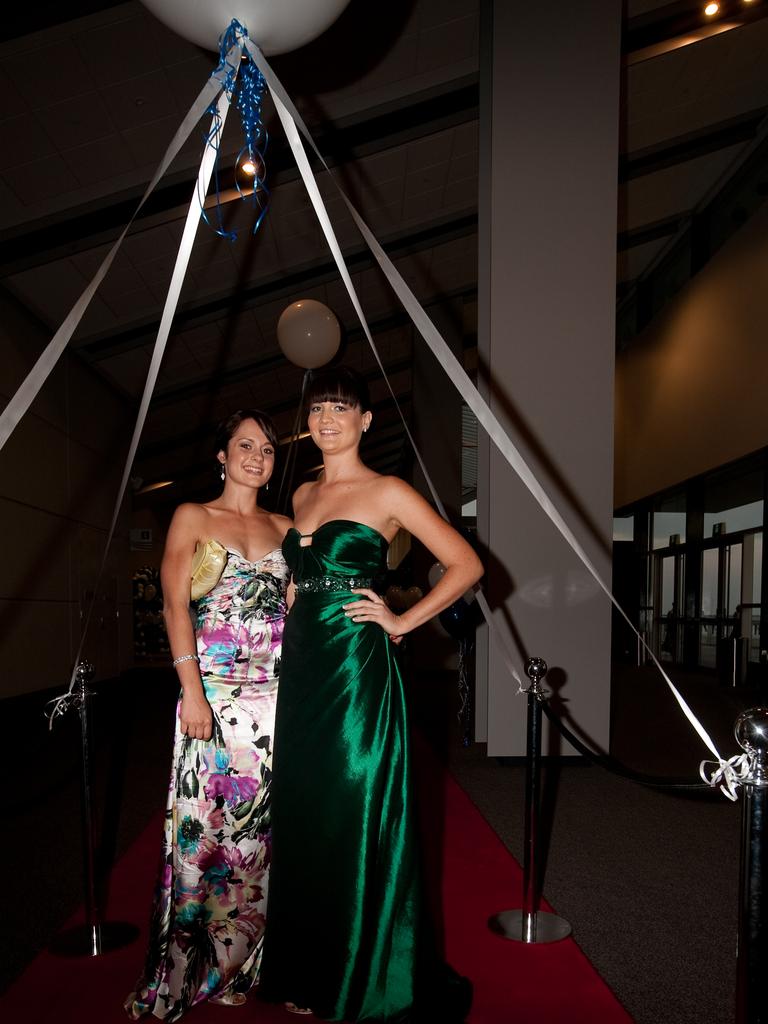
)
(154, 487)
(711, 10)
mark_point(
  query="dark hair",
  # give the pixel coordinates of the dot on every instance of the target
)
(337, 384)
(227, 428)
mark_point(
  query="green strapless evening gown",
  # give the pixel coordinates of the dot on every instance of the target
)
(344, 920)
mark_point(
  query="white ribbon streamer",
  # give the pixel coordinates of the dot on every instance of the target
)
(290, 119)
(60, 704)
(728, 775)
(38, 375)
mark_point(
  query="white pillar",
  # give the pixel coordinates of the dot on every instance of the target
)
(549, 141)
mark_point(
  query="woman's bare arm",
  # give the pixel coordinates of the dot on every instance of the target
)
(462, 566)
(195, 715)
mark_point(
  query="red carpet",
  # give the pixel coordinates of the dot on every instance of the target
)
(515, 983)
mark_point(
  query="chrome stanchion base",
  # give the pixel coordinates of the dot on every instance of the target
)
(93, 940)
(532, 928)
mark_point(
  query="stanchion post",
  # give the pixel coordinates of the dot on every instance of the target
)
(83, 696)
(465, 692)
(94, 937)
(530, 924)
(535, 669)
(752, 948)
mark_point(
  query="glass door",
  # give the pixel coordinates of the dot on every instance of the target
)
(669, 585)
(720, 609)
(727, 635)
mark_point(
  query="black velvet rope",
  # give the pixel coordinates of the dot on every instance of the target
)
(610, 764)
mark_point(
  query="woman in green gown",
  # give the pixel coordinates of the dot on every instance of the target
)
(346, 934)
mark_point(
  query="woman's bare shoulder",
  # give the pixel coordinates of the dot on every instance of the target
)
(190, 521)
(392, 488)
(281, 523)
(302, 493)
(191, 512)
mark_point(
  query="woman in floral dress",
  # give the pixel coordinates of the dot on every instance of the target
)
(208, 914)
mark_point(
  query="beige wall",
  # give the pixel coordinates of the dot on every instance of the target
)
(59, 474)
(691, 391)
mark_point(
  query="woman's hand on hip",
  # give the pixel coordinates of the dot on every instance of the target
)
(373, 608)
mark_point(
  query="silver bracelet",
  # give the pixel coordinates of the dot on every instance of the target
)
(184, 657)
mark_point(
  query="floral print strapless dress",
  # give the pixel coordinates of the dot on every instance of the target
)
(209, 909)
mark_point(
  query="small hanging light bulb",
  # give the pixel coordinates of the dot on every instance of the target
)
(711, 9)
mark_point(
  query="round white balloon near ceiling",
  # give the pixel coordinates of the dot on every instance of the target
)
(276, 26)
(308, 333)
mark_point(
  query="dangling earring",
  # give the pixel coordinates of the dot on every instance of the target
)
(223, 472)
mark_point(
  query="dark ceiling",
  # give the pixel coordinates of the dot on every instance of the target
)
(397, 119)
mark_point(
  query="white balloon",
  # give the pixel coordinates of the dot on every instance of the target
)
(308, 333)
(276, 26)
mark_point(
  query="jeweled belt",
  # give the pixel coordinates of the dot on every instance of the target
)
(330, 584)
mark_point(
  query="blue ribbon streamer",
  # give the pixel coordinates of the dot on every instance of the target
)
(246, 90)
(250, 93)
